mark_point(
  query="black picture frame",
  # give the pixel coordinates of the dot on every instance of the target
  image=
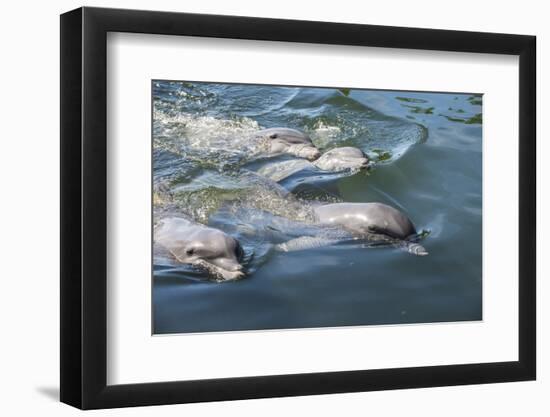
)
(84, 207)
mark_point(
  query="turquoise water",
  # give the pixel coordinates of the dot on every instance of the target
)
(428, 163)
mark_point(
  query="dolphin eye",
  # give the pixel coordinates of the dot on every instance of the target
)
(273, 136)
(190, 251)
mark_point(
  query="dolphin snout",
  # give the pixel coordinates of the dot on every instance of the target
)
(232, 271)
(236, 267)
(314, 154)
(234, 275)
(230, 265)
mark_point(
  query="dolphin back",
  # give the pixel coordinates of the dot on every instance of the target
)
(304, 243)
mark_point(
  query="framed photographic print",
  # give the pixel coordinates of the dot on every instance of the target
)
(258, 207)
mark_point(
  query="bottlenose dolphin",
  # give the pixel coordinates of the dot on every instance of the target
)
(201, 246)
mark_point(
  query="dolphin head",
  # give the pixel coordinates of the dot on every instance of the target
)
(290, 141)
(210, 249)
(311, 153)
(346, 157)
(216, 252)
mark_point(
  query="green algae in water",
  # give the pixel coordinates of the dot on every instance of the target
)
(411, 100)
(456, 110)
(420, 110)
(382, 155)
(476, 119)
(345, 91)
(475, 100)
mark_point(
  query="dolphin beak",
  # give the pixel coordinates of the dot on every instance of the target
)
(232, 270)
(314, 155)
(232, 275)
(228, 271)
(234, 267)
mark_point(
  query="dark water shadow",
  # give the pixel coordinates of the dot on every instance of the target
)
(50, 392)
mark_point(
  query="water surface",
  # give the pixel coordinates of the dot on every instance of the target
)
(428, 162)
